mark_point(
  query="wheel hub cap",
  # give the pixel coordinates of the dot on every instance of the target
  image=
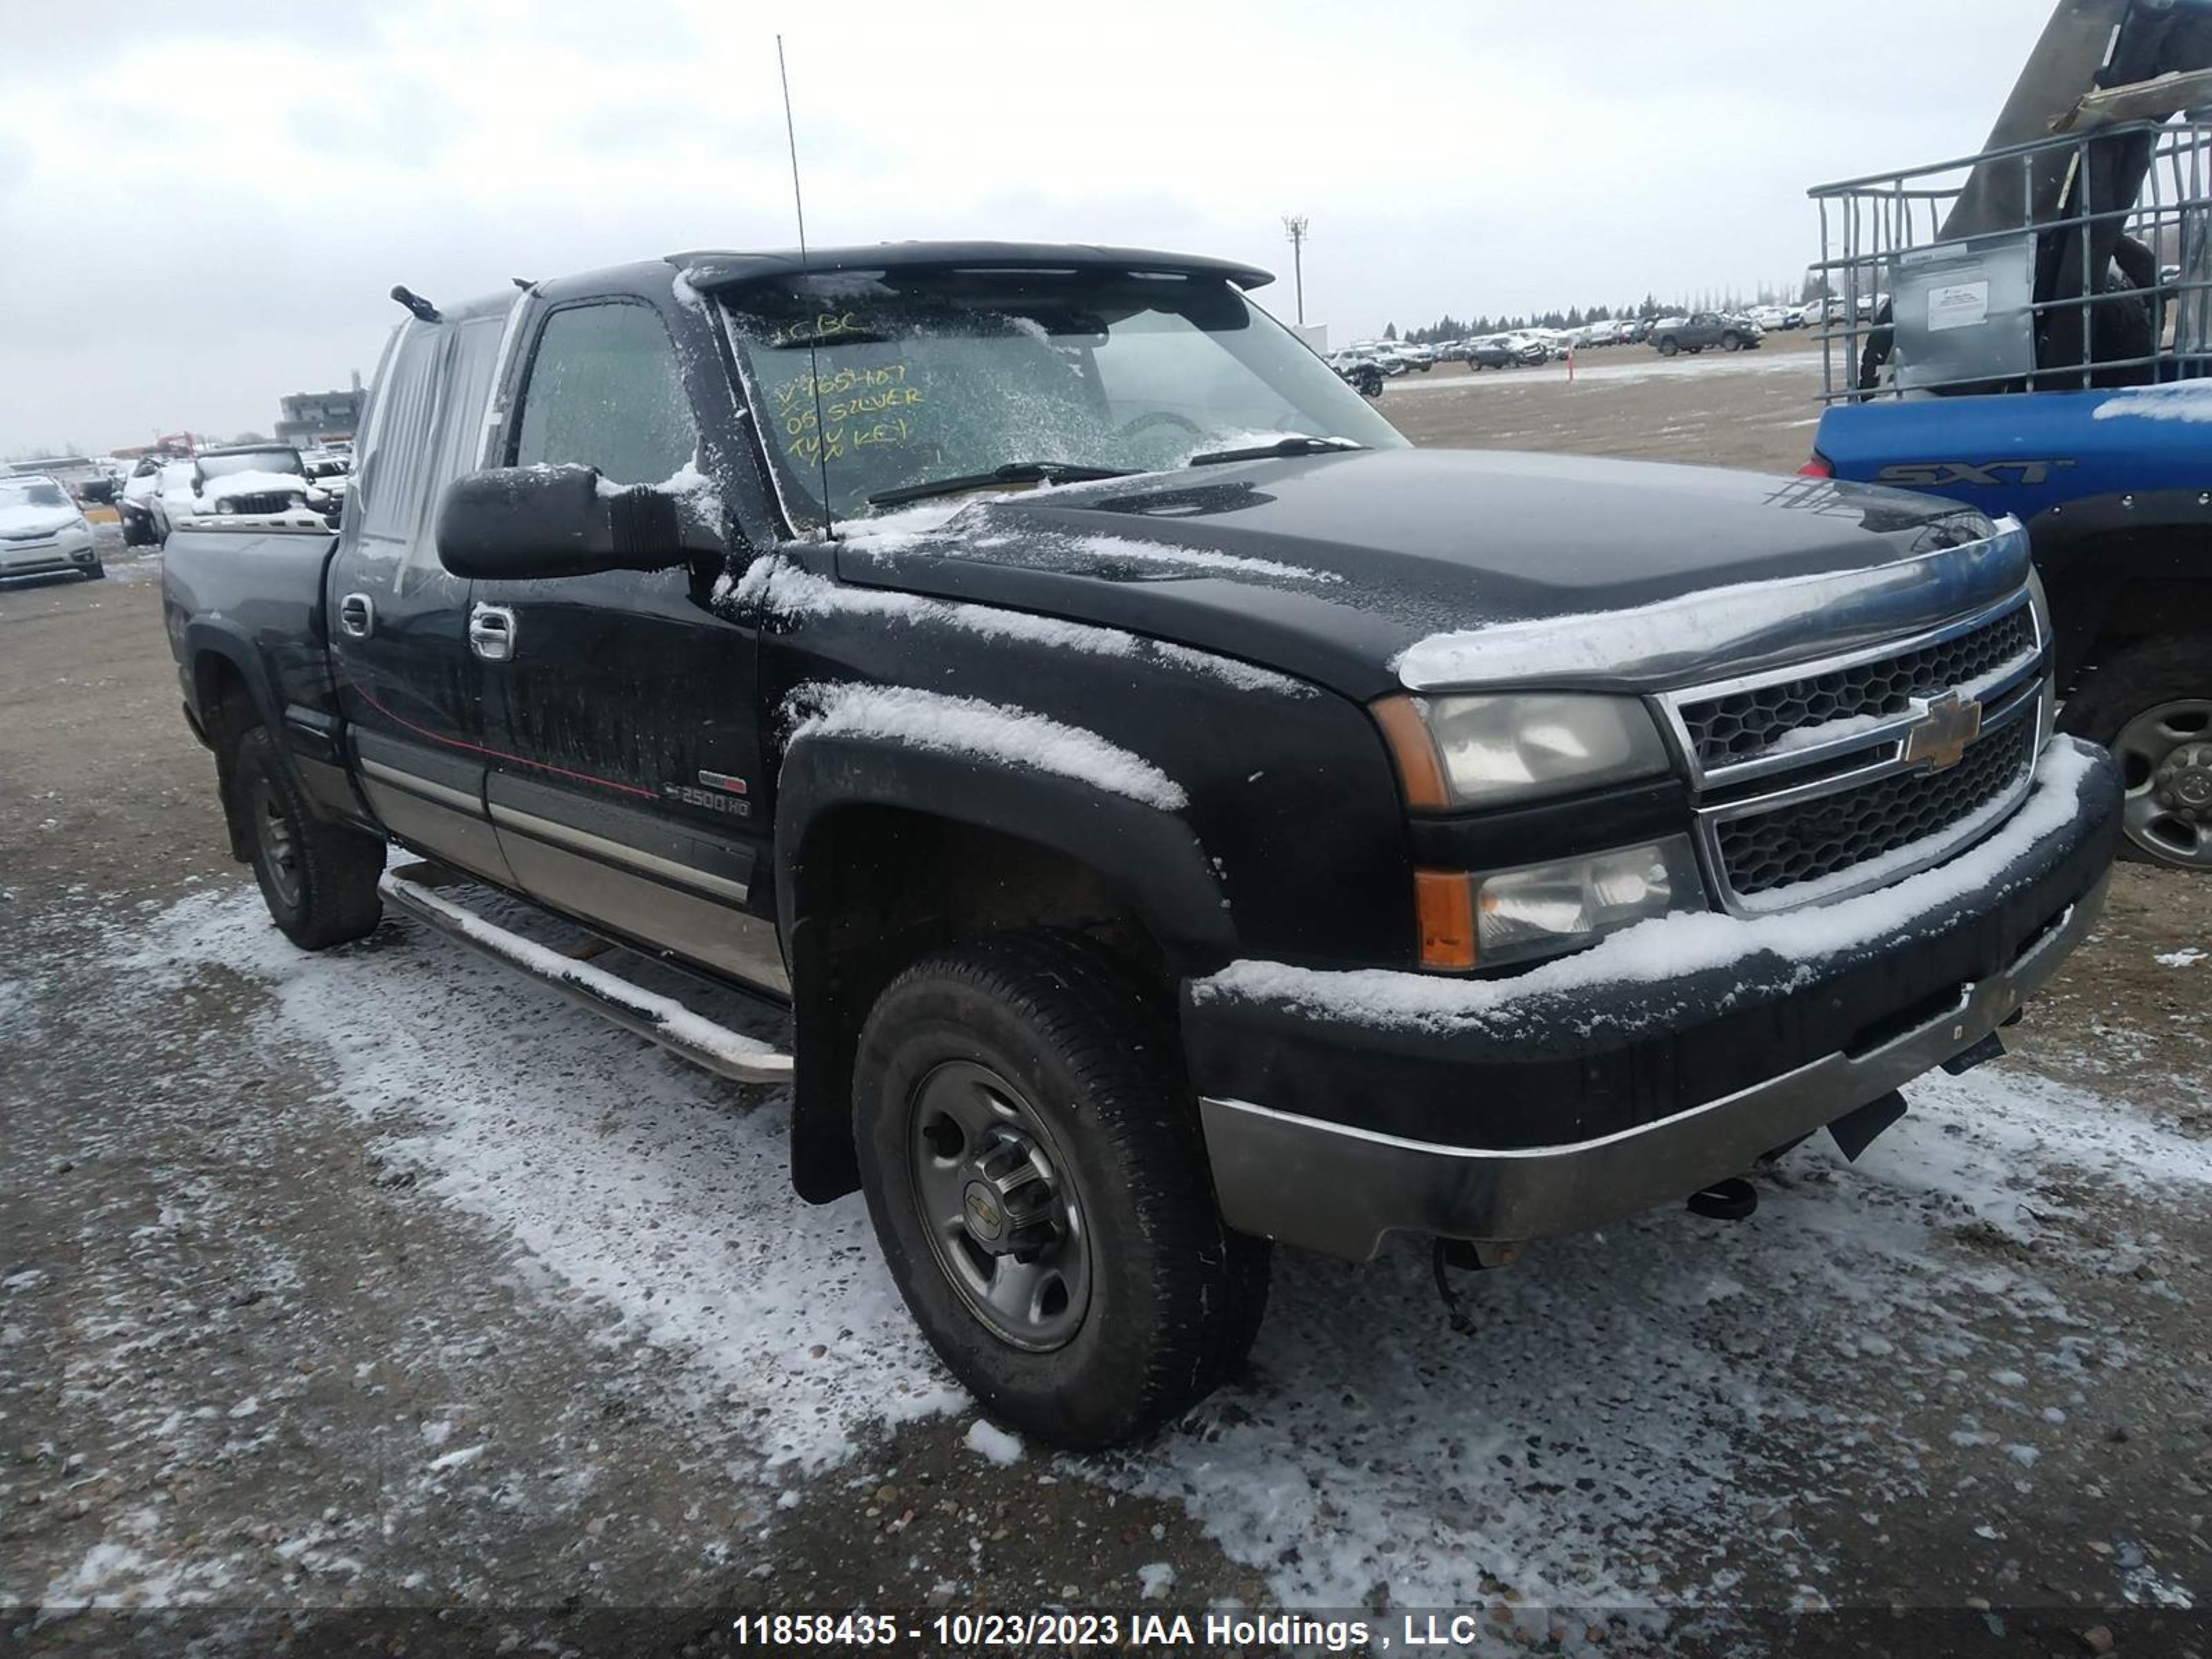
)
(278, 852)
(2166, 757)
(1003, 1217)
(2185, 782)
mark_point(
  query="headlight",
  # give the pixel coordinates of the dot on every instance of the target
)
(1511, 747)
(1545, 908)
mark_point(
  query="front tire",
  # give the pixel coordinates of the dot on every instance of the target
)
(2150, 703)
(318, 878)
(1668, 346)
(1039, 1187)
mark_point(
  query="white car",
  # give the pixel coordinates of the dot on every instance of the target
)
(43, 532)
(173, 499)
(134, 502)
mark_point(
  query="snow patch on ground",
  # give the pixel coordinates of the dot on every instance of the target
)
(989, 1440)
(987, 731)
(2188, 956)
(1629, 1430)
(1614, 1418)
(643, 1186)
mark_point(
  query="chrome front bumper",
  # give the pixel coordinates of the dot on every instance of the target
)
(1338, 1189)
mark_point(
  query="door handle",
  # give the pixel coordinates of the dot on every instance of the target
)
(491, 632)
(357, 615)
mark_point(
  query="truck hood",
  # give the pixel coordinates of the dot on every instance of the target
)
(1371, 571)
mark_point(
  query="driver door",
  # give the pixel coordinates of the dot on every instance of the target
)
(621, 794)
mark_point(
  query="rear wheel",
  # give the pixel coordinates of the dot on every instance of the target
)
(1038, 1184)
(318, 878)
(2151, 705)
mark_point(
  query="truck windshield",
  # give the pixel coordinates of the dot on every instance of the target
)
(258, 460)
(927, 376)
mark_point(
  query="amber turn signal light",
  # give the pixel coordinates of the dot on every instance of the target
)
(1444, 902)
(1414, 752)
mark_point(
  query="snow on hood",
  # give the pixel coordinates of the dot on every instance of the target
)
(18, 521)
(1371, 571)
(234, 484)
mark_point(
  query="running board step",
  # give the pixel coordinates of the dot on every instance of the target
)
(413, 888)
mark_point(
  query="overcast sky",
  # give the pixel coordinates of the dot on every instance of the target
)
(203, 209)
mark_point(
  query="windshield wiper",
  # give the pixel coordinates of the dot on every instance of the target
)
(1295, 446)
(1012, 472)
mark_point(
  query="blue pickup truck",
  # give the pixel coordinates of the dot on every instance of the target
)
(2115, 489)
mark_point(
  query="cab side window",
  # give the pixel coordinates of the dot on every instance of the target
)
(605, 390)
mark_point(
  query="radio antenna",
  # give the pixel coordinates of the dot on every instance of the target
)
(813, 365)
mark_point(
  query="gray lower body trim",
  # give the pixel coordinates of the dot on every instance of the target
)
(1340, 1190)
(652, 864)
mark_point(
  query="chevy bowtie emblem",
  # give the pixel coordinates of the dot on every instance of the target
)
(1939, 741)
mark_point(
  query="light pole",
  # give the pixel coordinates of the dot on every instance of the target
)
(1294, 226)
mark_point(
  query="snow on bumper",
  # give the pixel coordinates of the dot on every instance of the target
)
(1341, 1106)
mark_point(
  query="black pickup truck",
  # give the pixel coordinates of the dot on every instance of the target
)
(1175, 814)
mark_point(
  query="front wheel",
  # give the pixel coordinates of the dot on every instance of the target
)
(1039, 1187)
(1732, 342)
(1668, 346)
(318, 878)
(2151, 705)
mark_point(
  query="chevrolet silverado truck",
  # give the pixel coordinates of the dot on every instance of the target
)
(1172, 815)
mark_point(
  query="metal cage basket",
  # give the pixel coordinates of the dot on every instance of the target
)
(2075, 261)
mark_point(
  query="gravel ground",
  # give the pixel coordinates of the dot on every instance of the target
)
(378, 1279)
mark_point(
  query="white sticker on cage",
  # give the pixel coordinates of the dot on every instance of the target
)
(1958, 305)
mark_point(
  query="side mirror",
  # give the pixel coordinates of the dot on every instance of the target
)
(515, 523)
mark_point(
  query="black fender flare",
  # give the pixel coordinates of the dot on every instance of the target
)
(205, 638)
(1146, 853)
(2090, 549)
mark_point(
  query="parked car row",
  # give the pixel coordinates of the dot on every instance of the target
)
(252, 480)
(1368, 364)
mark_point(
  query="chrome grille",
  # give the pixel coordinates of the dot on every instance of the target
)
(1830, 833)
(1743, 724)
(269, 501)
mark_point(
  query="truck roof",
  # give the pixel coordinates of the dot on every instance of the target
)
(713, 269)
